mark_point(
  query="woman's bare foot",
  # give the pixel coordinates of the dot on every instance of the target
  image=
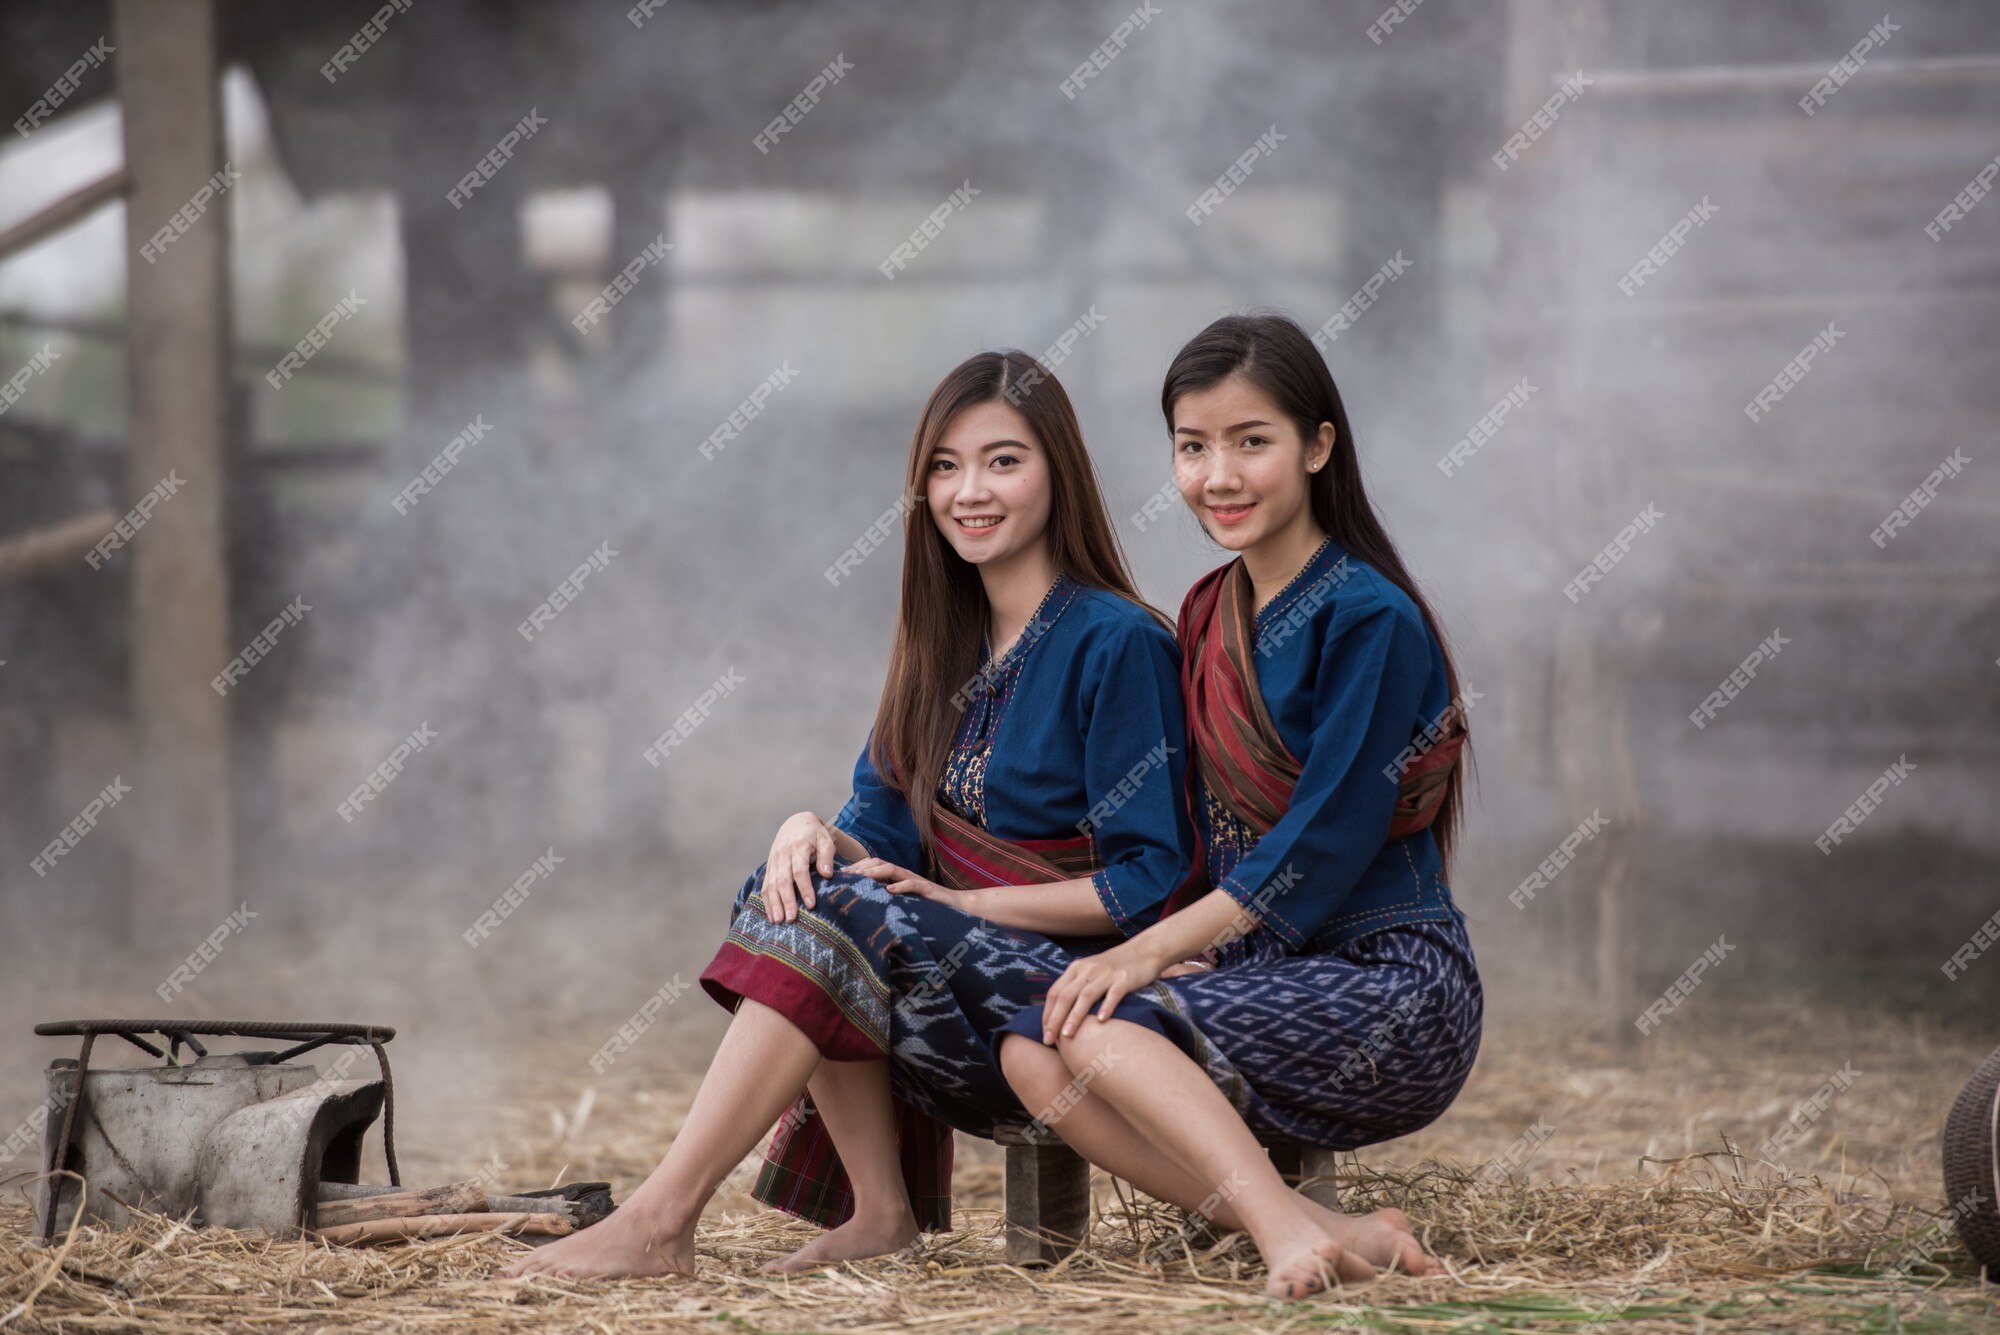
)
(1384, 1238)
(627, 1244)
(851, 1241)
(1307, 1257)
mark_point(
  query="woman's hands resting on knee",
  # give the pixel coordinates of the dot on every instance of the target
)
(902, 881)
(1181, 942)
(1109, 975)
(804, 844)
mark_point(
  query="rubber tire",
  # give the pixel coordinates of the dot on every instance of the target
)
(1970, 1161)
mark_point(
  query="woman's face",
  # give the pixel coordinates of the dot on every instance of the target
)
(988, 484)
(1240, 464)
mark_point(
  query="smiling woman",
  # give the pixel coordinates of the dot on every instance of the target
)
(1019, 801)
(983, 476)
(1345, 1008)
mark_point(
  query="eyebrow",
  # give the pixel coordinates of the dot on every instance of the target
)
(989, 445)
(1240, 426)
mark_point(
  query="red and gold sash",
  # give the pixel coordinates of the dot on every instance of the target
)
(1239, 756)
(970, 858)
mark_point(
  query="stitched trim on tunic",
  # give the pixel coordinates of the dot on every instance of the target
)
(1293, 588)
(1440, 912)
(1100, 881)
(1271, 919)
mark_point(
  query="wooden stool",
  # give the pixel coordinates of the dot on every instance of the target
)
(1048, 1194)
(1048, 1189)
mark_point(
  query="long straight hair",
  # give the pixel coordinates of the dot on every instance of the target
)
(1273, 353)
(934, 657)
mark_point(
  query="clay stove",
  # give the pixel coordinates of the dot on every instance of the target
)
(240, 1140)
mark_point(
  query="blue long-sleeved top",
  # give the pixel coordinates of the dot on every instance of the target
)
(1081, 730)
(1352, 677)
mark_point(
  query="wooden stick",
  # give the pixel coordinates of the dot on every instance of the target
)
(453, 1198)
(444, 1225)
(350, 1191)
(535, 1205)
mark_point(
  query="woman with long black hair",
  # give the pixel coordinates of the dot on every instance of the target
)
(1344, 1005)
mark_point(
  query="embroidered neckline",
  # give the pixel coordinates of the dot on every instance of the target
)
(963, 783)
(1292, 586)
(1021, 641)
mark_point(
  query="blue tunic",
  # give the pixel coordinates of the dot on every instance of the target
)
(1078, 728)
(1351, 675)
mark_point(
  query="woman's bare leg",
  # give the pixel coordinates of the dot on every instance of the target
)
(853, 1097)
(760, 1067)
(1172, 1103)
(1094, 1129)
(1097, 1131)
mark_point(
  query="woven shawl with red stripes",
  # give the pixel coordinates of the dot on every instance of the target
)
(1238, 754)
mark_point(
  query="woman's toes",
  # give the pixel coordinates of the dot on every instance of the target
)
(1311, 1268)
(1417, 1261)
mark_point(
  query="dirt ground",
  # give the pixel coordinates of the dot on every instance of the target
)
(1573, 1186)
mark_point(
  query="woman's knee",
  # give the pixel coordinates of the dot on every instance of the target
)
(1096, 1042)
(1027, 1062)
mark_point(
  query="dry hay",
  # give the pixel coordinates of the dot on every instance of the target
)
(1705, 1238)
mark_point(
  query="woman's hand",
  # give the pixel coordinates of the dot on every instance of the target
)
(803, 845)
(902, 881)
(1187, 966)
(1109, 975)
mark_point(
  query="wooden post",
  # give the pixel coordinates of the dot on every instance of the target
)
(1048, 1196)
(1591, 761)
(1595, 763)
(639, 324)
(178, 336)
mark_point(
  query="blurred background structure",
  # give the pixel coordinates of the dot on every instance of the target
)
(345, 134)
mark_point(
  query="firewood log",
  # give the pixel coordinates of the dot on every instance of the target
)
(535, 1205)
(445, 1225)
(453, 1198)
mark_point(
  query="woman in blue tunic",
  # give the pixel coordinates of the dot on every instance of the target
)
(1343, 1006)
(1033, 703)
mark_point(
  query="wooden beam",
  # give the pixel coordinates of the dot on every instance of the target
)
(177, 364)
(1707, 80)
(251, 359)
(1815, 304)
(78, 203)
(41, 549)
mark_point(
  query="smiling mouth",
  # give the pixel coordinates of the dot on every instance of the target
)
(978, 522)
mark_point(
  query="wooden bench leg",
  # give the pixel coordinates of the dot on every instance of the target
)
(1308, 1169)
(1048, 1196)
(1048, 1190)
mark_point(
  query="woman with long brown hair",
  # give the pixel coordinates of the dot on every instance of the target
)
(1020, 799)
(1343, 1006)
